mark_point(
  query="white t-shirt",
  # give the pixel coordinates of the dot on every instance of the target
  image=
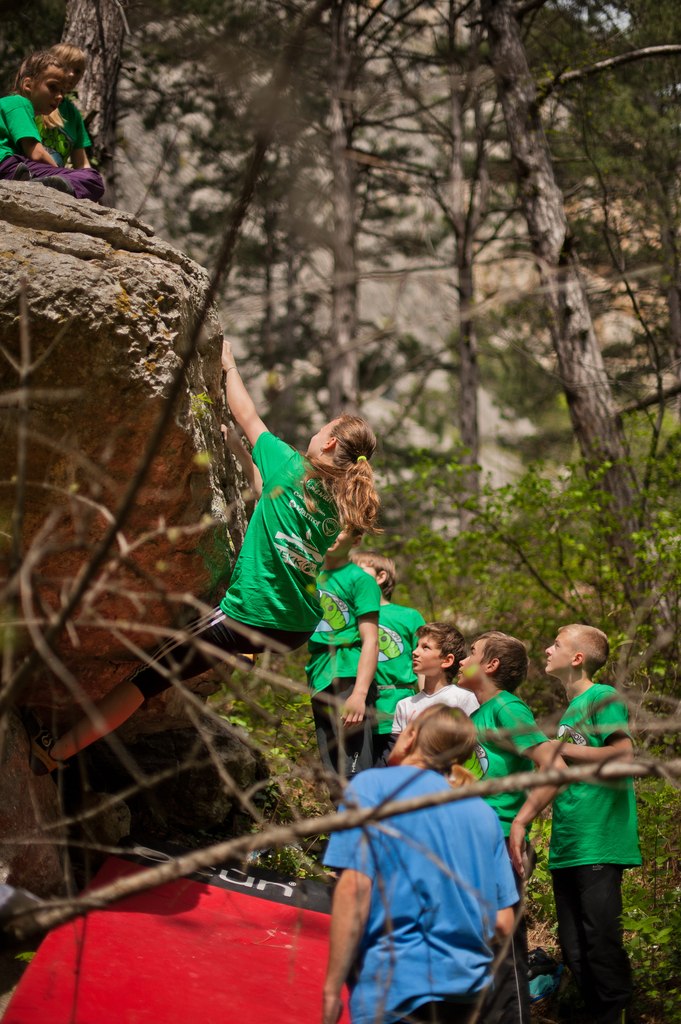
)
(453, 696)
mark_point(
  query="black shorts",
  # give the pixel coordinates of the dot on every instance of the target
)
(182, 659)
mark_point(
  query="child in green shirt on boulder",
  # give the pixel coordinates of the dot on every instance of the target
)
(40, 85)
(397, 626)
(594, 833)
(272, 600)
(63, 131)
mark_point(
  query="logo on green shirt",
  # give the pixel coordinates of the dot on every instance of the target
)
(390, 644)
(336, 612)
(306, 558)
(569, 735)
(478, 763)
(330, 527)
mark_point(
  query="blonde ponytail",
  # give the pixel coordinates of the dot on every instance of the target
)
(349, 479)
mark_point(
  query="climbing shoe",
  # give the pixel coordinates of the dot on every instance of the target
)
(61, 184)
(41, 742)
(22, 173)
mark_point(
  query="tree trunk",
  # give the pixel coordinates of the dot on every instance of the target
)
(468, 376)
(343, 374)
(267, 339)
(585, 381)
(673, 271)
(465, 219)
(98, 27)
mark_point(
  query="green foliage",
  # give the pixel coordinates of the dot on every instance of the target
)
(538, 553)
(652, 918)
(539, 892)
(25, 957)
(25, 28)
(652, 909)
(279, 722)
(199, 404)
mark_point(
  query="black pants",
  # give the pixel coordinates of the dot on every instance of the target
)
(383, 745)
(343, 751)
(508, 998)
(589, 910)
(440, 1012)
(184, 660)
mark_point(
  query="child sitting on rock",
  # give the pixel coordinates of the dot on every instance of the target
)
(63, 131)
(39, 89)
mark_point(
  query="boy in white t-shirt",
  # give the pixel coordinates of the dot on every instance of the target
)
(437, 656)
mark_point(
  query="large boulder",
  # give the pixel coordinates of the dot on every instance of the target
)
(109, 310)
(95, 313)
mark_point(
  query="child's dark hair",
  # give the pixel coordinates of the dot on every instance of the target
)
(381, 564)
(512, 656)
(449, 640)
(349, 479)
(35, 66)
(445, 737)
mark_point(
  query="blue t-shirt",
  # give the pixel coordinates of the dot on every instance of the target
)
(439, 877)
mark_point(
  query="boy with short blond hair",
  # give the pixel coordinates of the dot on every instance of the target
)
(437, 655)
(397, 627)
(594, 833)
(509, 741)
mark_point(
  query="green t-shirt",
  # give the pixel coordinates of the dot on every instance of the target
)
(273, 584)
(73, 134)
(17, 121)
(594, 823)
(395, 676)
(335, 646)
(495, 759)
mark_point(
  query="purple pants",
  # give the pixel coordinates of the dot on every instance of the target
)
(87, 183)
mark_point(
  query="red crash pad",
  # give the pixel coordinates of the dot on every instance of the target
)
(236, 947)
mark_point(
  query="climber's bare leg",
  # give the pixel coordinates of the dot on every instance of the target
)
(114, 709)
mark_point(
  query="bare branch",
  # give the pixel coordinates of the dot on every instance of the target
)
(564, 77)
(653, 399)
(30, 923)
(528, 7)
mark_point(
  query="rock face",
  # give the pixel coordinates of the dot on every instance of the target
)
(109, 309)
(192, 794)
(28, 816)
(98, 313)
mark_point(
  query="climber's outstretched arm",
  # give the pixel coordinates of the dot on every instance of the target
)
(240, 403)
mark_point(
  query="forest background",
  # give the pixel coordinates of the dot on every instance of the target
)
(466, 225)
